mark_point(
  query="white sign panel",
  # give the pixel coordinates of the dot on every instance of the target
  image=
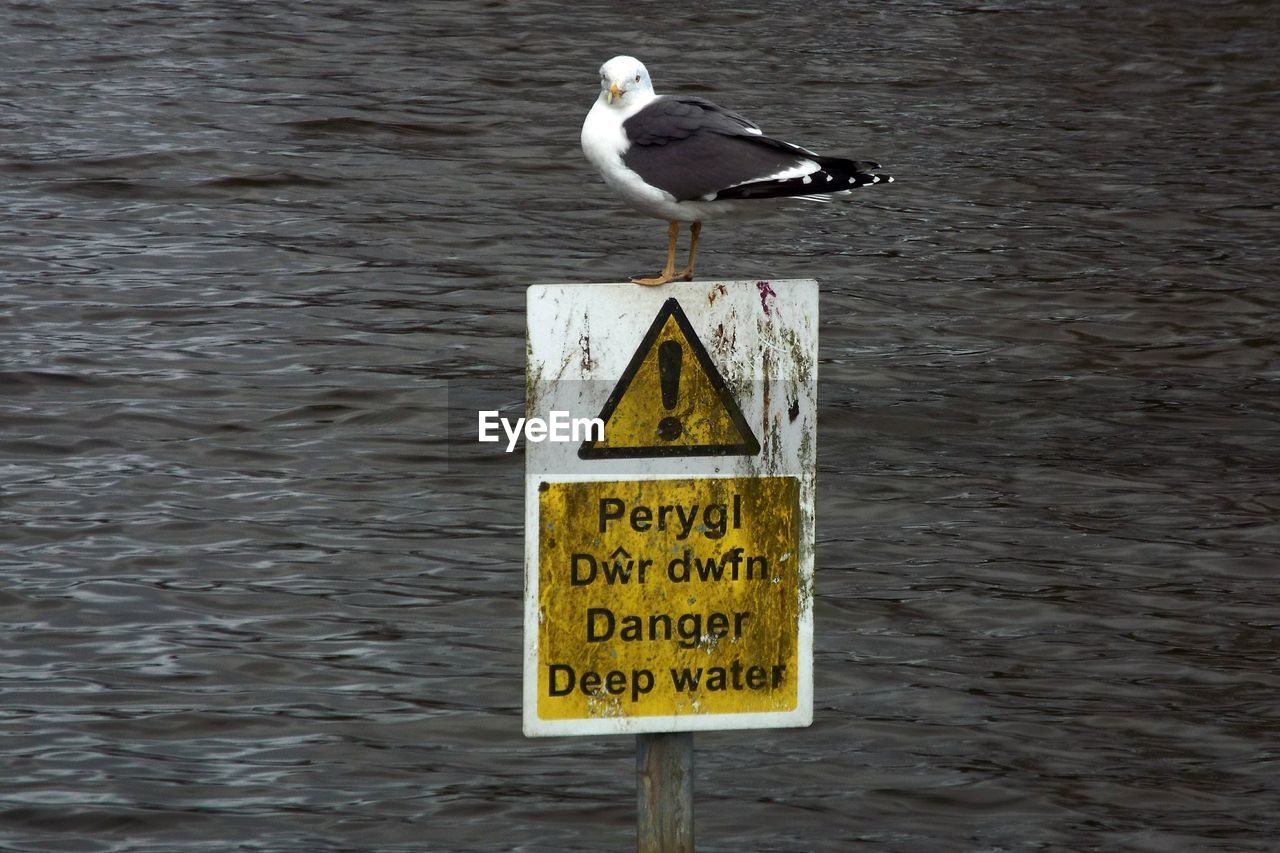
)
(669, 532)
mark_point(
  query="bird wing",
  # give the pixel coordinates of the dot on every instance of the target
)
(694, 149)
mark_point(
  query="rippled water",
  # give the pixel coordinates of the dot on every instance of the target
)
(252, 600)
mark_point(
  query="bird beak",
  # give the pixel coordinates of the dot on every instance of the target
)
(614, 92)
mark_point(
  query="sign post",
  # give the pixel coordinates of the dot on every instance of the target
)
(664, 793)
(670, 547)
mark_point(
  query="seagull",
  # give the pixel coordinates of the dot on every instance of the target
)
(685, 159)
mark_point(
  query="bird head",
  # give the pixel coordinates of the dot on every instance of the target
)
(622, 79)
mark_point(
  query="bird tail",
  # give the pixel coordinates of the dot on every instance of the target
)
(833, 175)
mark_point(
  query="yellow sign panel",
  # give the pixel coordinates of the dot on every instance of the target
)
(671, 400)
(668, 597)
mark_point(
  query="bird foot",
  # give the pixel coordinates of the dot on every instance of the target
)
(661, 278)
(665, 276)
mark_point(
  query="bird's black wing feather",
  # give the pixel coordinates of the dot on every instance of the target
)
(697, 150)
(693, 148)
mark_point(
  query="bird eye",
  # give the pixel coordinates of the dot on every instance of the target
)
(637, 78)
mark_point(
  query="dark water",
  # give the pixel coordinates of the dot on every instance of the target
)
(249, 604)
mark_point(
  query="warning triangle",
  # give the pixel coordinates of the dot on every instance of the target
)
(671, 400)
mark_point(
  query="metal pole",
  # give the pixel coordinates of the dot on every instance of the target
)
(664, 792)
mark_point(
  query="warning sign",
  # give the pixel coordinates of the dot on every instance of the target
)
(671, 400)
(669, 562)
(662, 597)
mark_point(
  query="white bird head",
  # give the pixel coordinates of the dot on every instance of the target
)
(624, 80)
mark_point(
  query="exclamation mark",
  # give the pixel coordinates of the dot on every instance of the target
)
(670, 354)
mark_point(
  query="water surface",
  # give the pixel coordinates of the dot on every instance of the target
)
(252, 601)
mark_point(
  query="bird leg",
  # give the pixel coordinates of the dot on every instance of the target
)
(668, 272)
(695, 228)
